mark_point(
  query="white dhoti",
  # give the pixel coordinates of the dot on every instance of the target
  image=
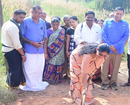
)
(33, 71)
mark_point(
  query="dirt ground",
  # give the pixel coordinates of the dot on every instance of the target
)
(58, 94)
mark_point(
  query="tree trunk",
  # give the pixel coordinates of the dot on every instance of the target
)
(1, 14)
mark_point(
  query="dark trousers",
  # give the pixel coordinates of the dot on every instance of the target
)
(128, 65)
(15, 72)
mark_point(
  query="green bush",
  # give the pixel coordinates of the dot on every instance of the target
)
(111, 4)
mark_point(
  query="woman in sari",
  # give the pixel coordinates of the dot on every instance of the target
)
(54, 53)
(85, 61)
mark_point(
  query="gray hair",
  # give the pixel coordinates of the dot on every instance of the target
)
(44, 12)
(91, 48)
(88, 49)
(111, 15)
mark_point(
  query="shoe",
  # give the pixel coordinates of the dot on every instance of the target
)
(114, 86)
(125, 84)
(104, 86)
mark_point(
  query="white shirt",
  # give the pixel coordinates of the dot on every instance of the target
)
(10, 37)
(92, 35)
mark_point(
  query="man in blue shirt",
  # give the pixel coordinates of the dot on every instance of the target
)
(115, 33)
(34, 33)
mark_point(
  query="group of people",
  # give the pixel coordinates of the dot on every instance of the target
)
(77, 50)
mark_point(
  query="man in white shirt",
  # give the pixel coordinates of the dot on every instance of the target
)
(12, 47)
(88, 32)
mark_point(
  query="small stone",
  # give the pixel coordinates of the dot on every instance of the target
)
(21, 100)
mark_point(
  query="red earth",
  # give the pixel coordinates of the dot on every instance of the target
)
(58, 94)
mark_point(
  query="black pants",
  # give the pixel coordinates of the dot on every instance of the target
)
(128, 65)
(15, 73)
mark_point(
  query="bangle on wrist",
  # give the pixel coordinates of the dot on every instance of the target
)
(22, 55)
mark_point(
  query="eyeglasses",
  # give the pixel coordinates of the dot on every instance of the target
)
(38, 13)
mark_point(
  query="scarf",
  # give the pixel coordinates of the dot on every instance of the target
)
(20, 33)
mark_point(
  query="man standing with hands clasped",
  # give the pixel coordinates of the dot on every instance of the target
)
(12, 47)
(115, 33)
(34, 34)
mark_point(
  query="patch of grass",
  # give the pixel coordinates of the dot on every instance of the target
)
(6, 95)
(9, 6)
(90, 4)
(61, 8)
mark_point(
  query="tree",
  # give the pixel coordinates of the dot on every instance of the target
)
(111, 4)
(1, 14)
